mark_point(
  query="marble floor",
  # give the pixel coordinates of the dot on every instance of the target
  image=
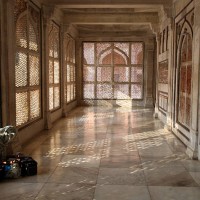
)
(99, 153)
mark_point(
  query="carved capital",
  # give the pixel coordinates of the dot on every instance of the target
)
(47, 12)
(66, 27)
(168, 11)
(165, 13)
(155, 28)
(171, 23)
(71, 29)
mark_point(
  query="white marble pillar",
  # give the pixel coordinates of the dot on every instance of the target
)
(46, 27)
(79, 81)
(8, 63)
(170, 108)
(149, 77)
(156, 75)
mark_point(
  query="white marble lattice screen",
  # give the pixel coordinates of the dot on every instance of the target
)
(69, 69)
(54, 67)
(112, 70)
(27, 62)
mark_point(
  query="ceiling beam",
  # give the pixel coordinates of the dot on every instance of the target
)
(105, 3)
(130, 18)
(95, 6)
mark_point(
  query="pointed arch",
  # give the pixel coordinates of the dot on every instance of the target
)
(27, 63)
(184, 75)
(120, 57)
(106, 56)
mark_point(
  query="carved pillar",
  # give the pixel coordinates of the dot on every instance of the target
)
(149, 77)
(155, 30)
(62, 69)
(69, 31)
(170, 74)
(8, 63)
(156, 74)
(63, 74)
(47, 13)
(79, 82)
(8, 70)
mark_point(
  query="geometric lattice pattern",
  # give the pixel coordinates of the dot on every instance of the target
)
(69, 70)
(121, 91)
(34, 103)
(136, 91)
(112, 70)
(34, 74)
(136, 53)
(104, 74)
(51, 98)
(27, 62)
(54, 67)
(89, 91)
(22, 108)
(104, 91)
(21, 69)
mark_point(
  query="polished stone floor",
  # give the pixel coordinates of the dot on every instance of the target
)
(99, 153)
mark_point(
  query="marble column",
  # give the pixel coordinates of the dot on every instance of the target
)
(46, 27)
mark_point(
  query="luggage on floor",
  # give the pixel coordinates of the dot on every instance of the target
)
(17, 165)
(1, 170)
(11, 168)
(27, 164)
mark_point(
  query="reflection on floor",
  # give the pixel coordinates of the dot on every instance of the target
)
(100, 153)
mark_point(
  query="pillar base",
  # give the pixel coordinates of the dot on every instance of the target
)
(155, 115)
(48, 124)
(192, 153)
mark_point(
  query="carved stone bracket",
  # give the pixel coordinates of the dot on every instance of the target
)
(155, 28)
(48, 12)
(71, 29)
(166, 12)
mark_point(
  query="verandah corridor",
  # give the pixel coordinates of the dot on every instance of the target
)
(99, 153)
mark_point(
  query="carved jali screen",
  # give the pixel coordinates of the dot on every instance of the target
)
(27, 62)
(54, 67)
(113, 70)
(69, 69)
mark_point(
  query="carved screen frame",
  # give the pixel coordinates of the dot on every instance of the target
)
(184, 25)
(28, 8)
(54, 56)
(69, 69)
(112, 85)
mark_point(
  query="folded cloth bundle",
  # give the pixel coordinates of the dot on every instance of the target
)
(6, 134)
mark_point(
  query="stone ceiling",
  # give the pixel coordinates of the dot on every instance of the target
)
(111, 17)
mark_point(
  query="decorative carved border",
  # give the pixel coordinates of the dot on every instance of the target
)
(162, 102)
(163, 72)
(163, 40)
